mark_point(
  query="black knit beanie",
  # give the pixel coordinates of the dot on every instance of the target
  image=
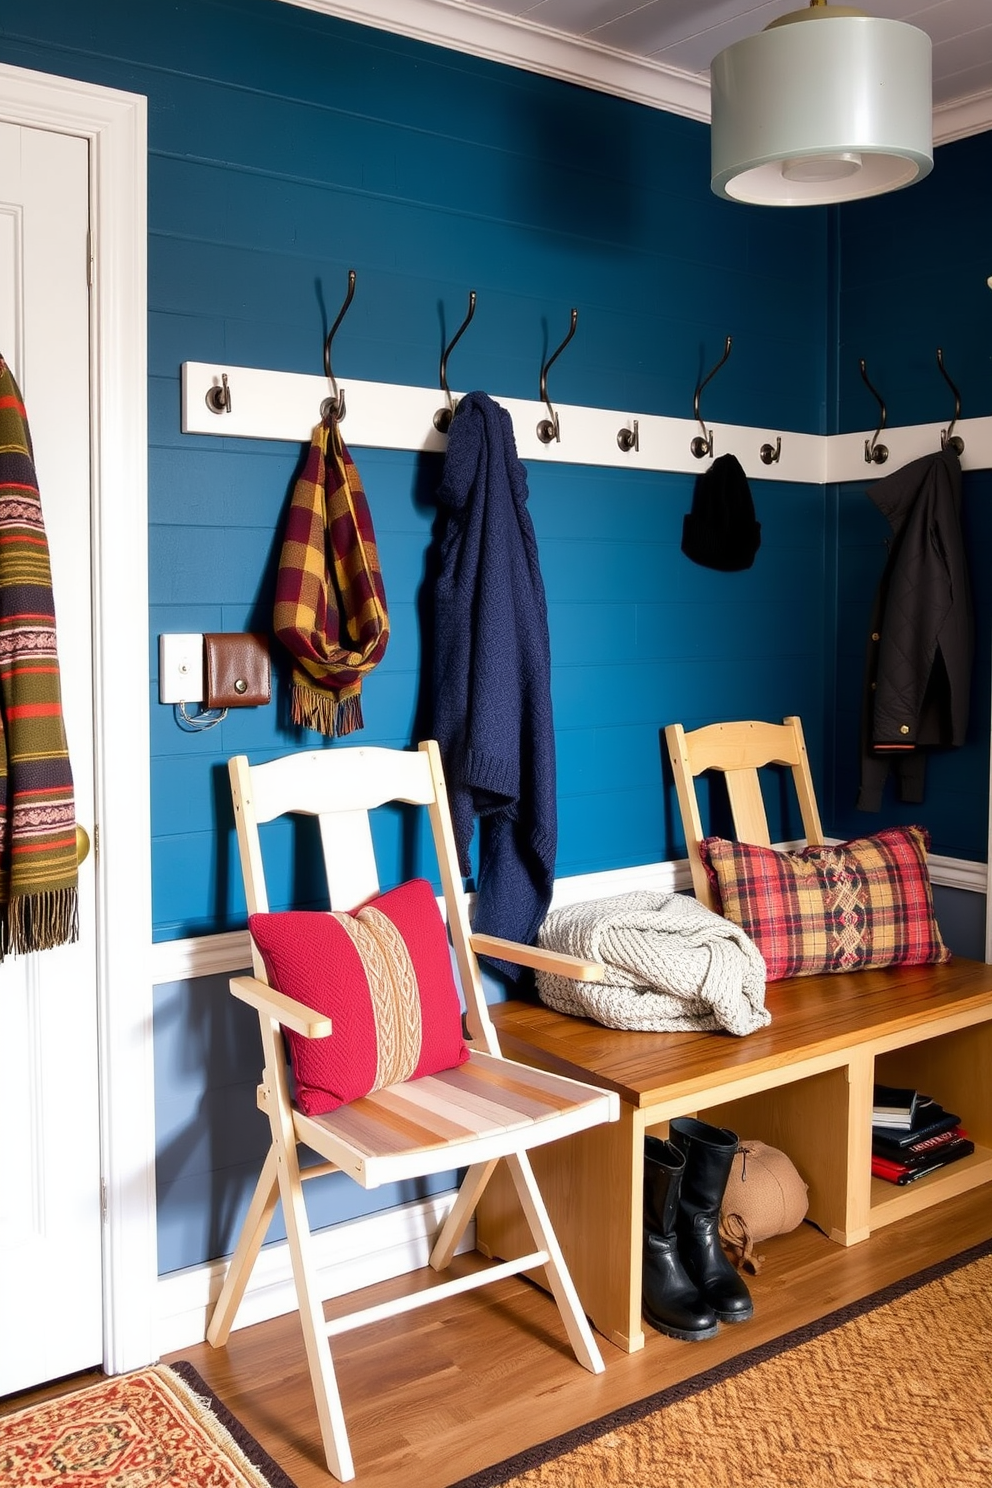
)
(720, 531)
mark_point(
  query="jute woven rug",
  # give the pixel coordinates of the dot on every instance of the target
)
(892, 1392)
(156, 1428)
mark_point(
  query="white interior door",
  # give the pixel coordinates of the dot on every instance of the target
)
(51, 1298)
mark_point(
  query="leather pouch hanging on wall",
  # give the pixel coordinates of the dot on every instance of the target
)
(236, 670)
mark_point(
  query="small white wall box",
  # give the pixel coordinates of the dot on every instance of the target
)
(180, 668)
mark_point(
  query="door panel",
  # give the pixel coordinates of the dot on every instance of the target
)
(50, 1223)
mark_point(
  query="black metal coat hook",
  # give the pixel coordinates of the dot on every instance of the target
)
(548, 429)
(948, 439)
(443, 417)
(629, 439)
(334, 407)
(703, 443)
(219, 396)
(875, 453)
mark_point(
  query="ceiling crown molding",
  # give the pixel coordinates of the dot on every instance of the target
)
(517, 42)
(963, 117)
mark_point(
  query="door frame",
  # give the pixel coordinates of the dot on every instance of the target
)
(115, 125)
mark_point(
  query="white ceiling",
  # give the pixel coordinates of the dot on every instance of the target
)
(658, 52)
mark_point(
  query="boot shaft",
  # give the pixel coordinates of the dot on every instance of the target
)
(708, 1154)
(664, 1166)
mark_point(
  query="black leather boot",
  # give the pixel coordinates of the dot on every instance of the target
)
(672, 1303)
(708, 1152)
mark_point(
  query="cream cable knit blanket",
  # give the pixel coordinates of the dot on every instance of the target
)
(672, 965)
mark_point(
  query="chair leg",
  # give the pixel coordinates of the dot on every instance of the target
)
(333, 1431)
(562, 1287)
(459, 1216)
(242, 1262)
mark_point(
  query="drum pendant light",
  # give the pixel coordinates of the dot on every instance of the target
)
(825, 105)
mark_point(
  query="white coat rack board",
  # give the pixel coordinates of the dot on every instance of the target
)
(385, 415)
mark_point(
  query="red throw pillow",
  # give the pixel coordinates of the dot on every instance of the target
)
(863, 903)
(383, 975)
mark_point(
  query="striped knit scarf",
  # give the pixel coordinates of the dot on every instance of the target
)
(38, 905)
(330, 608)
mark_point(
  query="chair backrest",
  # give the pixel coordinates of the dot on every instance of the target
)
(341, 788)
(738, 751)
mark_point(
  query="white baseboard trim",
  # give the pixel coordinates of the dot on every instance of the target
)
(351, 1255)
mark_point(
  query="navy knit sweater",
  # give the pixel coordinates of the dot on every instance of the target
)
(492, 674)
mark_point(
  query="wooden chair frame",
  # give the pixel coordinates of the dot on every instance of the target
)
(739, 751)
(509, 1108)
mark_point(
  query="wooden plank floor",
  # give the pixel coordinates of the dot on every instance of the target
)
(439, 1393)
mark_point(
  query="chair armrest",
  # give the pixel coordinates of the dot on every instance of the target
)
(538, 959)
(295, 1016)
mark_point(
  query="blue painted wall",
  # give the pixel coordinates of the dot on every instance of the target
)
(286, 147)
(911, 276)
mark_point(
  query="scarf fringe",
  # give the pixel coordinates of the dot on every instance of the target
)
(39, 922)
(324, 712)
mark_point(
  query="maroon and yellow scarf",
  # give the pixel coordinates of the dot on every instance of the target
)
(38, 902)
(330, 607)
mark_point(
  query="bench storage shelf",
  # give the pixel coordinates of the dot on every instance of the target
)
(803, 1084)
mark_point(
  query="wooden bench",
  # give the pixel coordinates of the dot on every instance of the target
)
(803, 1084)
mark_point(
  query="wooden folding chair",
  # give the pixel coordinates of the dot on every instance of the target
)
(738, 751)
(487, 1110)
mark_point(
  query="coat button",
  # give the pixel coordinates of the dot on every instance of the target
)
(904, 729)
(874, 635)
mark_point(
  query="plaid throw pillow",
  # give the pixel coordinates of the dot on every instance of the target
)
(383, 976)
(864, 903)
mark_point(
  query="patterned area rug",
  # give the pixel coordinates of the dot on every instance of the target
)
(157, 1428)
(892, 1392)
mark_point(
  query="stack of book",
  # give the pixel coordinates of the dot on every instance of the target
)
(911, 1135)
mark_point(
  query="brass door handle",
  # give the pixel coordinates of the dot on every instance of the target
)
(82, 844)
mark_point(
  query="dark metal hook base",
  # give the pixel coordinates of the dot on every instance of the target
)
(629, 439)
(219, 398)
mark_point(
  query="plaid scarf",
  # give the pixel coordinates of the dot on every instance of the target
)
(38, 904)
(330, 608)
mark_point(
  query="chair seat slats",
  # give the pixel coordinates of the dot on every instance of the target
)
(485, 1097)
(518, 1081)
(428, 1102)
(478, 1106)
(370, 1129)
(509, 1097)
(438, 1110)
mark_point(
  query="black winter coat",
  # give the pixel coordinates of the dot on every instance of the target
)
(921, 643)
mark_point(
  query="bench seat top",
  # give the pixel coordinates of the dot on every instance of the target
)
(813, 1018)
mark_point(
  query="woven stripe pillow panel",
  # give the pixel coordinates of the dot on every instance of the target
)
(383, 976)
(864, 903)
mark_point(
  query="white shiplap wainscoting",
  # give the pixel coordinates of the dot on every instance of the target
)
(356, 1253)
(360, 1252)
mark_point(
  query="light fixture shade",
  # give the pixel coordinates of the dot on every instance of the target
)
(822, 106)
